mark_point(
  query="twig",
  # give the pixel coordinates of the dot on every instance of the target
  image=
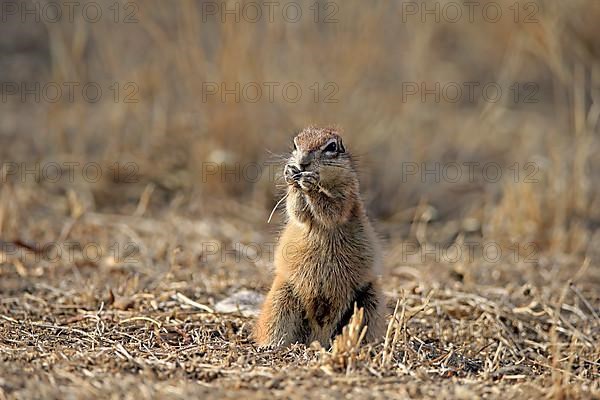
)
(275, 208)
(141, 319)
(584, 301)
(186, 300)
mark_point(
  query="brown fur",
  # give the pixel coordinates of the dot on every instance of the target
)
(327, 254)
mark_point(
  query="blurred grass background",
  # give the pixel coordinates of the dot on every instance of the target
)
(370, 52)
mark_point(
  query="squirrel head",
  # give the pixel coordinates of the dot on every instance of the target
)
(322, 150)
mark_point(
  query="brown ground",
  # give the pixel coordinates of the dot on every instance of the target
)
(81, 327)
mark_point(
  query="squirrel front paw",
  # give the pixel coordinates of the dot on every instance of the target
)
(291, 174)
(308, 181)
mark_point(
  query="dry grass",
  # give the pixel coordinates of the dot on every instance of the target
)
(139, 320)
(346, 347)
(59, 344)
(148, 328)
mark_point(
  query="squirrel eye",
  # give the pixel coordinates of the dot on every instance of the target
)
(331, 148)
(294, 143)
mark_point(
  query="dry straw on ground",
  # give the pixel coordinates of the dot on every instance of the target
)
(91, 330)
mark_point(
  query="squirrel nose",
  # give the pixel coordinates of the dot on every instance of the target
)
(304, 160)
(303, 166)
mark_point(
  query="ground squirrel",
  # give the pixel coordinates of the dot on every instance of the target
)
(328, 255)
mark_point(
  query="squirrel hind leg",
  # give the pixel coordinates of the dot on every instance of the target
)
(283, 319)
(368, 298)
